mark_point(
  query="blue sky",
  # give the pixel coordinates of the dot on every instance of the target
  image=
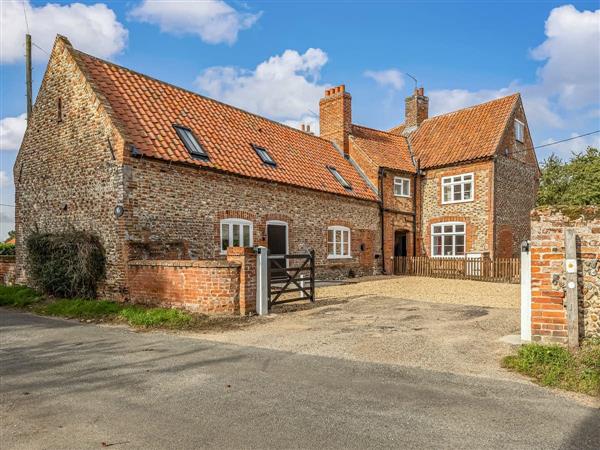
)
(276, 58)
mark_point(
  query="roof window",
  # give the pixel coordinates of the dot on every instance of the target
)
(263, 154)
(191, 143)
(340, 178)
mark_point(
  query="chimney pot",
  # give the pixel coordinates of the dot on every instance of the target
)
(416, 108)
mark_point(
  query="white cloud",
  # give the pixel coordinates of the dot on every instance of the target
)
(567, 83)
(391, 78)
(4, 179)
(12, 130)
(285, 87)
(565, 149)
(213, 20)
(91, 28)
(571, 53)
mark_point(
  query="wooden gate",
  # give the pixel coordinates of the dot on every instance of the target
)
(503, 270)
(291, 274)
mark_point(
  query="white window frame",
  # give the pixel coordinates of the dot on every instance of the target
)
(453, 185)
(345, 246)
(519, 136)
(230, 224)
(399, 182)
(454, 233)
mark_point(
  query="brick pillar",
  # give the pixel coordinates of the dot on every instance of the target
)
(246, 257)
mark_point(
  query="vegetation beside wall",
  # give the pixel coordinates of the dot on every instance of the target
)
(7, 249)
(67, 264)
(557, 366)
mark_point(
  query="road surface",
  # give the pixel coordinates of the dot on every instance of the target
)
(66, 385)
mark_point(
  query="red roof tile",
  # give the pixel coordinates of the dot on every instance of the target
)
(383, 148)
(464, 135)
(146, 110)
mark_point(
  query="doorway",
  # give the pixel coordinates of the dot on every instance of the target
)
(400, 243)
(277, 243)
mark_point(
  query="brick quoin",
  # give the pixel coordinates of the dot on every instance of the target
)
(548, 316)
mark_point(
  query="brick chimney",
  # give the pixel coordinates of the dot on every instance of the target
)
(416, 108)
(335, 116)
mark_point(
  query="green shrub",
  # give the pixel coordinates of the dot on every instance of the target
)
(19, 296)
(67, 264)
(7, 249)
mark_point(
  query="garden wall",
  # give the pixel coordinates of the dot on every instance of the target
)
(205, 286)
(549, 318)
(7, 269)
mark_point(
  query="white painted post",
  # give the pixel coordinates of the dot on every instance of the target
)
(525, 292)
(302, 285)
(262, 293)
(571, 300)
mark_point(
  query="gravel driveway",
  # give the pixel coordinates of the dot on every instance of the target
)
(444, 325)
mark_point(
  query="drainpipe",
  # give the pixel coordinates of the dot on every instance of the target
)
(380, 187)
(416, 216)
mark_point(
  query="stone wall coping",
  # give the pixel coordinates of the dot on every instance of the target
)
(212, 263)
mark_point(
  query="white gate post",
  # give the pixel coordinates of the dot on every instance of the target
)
(525, 291)
(262, 294)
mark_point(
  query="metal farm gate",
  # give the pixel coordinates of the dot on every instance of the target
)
(291, 274)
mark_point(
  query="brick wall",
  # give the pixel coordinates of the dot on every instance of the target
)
(205, 286)
(549, 321)
(67, 173)
(7, 269)
(183, 206)
(477, 214)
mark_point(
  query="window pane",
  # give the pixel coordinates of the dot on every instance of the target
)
(406, 187)
(437, 245)
(235, 241)
(447, 193)
(468, 177)
(467, 189)
(246, 240)
(397, 189)
(224, 236)
(460, 250)
(330, 236)
(346, 243)
(448, 247)
(330, 248)
(458, 192)
(437, 229)
(459, 228)
(460, 239)
(338, 242)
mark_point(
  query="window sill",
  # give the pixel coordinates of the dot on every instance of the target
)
(338, 257)
(457, 201)
(449, 256)
(403, 196)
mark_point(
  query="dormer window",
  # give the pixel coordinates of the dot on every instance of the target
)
(519, 131)
(340, 178)
(263, 154)
(191, 143)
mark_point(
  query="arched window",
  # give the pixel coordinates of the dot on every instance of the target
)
(235, 233)
(338, 242)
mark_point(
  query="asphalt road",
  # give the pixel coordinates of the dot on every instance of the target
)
(71, 386)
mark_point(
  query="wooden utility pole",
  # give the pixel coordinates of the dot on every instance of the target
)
(28, 73)
(571, 294)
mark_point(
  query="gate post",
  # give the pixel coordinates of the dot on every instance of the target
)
(525, 292)
(262, 288)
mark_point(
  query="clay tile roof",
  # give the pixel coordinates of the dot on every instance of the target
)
(146, 110)
(464, 135)
(383, 148)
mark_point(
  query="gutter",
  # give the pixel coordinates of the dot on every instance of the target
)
(417, 164)
(380, 175)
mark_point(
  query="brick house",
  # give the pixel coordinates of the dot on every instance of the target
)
(161, 173)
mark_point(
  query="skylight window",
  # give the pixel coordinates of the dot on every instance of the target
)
(191, 143)
(340, 178)
(263, 154)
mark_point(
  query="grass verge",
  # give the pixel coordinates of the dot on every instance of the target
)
(556, 366)
(107, 311)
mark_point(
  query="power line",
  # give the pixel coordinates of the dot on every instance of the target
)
(40, 48)
(554, 143)
(25, 14)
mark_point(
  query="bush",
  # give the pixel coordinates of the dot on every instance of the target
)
(7, 249)
(68, 264)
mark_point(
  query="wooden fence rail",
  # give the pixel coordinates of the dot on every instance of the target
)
(502, 270)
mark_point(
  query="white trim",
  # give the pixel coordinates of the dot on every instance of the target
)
(453, 234)
(231, 222)
(345, 245)
(455, 183)
(399, 181)
(516, 136)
